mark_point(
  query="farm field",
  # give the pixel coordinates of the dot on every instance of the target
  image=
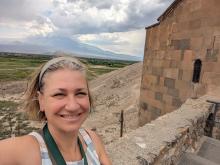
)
(19, 67)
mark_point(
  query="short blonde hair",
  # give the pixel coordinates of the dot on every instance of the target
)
(31, 103)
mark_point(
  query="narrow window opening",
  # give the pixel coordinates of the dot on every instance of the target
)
(197, 70)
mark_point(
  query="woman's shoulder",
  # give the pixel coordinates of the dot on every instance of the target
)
(18, 143)
(99, 147)
(18, 149)
(92, 135)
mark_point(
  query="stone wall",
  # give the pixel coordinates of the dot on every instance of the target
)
(165, 139)
(190, 31)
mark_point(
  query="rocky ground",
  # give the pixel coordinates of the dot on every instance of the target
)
(111, 92)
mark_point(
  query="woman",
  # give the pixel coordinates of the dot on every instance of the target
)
(59, 95)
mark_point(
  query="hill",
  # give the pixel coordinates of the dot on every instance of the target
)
(112, 92)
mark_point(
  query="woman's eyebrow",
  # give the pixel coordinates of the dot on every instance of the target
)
(77, 90)
(81, 89)
(60, 89)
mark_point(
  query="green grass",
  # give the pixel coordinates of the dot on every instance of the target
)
(8, 104)
(19, 67)
(15, 74)
(14, 68)
(100, 71)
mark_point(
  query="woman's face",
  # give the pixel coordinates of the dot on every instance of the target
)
(65, 100)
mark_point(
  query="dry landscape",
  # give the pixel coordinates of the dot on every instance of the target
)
(112, 92)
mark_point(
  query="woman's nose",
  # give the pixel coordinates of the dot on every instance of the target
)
(72, 104)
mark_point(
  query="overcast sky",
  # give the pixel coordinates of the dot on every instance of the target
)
(115, 25)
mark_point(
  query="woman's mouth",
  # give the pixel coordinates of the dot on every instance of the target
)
(71, 117)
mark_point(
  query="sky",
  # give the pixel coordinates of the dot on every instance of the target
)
(112, 25)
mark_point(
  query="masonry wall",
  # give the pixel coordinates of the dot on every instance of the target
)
(191, 31)
(164, 140)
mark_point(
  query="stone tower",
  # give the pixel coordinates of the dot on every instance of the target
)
(181, 57)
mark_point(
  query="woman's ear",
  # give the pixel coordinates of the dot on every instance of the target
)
(40, 100)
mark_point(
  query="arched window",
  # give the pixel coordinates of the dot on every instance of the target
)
(197, 70)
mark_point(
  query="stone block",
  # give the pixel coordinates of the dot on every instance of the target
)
(161, 55)
(158, 96)
(216, 31)
(143, 105)
(208, 66)
(196, 43)
(149, 80)
(158, 80)
(195, 24)
(185, 94)
(176, 55)
(173, 92)
(206, 78)
(171, 73)
(161, 81)
(168, 55)
(186, 66)
(167, 99)
(146, 94)
(174, 63)
(182, 85)
(156, 103)
(211, 54)
(188, 56)
(180, 75)
(169, 108)
(187, 75)
(166, 63)
(156, 112)
(169, 82)
(195, 5)
(157, 63)
(176, 102)
(182, 44)
(216, 66)
(157, 71)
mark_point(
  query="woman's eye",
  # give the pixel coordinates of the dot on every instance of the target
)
(81, 94)
(58, 95)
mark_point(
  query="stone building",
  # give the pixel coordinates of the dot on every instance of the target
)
(181, 57)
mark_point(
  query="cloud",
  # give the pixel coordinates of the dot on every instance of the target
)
(22, 10)
(115, 25)
(131, 42)
(93, 16)
(21, 18)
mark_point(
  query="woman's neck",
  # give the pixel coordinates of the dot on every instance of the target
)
(66, 142)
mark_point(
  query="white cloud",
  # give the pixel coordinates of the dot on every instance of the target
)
(41, 26)
(115, 25)
(131, 42)
(22, 10)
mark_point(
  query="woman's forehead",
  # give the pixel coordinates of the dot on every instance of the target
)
(65, 77)
(63, 73)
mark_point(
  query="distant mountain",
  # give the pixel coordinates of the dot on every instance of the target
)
(50, 45)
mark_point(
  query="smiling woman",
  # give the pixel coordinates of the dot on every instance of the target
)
(59, 95)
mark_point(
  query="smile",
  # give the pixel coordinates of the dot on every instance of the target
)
(71, 117)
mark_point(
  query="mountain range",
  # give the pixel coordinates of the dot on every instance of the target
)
(51, 45)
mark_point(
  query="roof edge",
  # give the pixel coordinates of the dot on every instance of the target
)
(165, 13)
(169, 10)
(153, 25)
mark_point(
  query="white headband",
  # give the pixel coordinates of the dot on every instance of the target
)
(54, 61)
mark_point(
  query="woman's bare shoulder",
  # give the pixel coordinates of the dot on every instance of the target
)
(17, 149)
(100, 148)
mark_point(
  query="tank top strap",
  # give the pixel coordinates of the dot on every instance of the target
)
(92, 154)
(40, 140)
